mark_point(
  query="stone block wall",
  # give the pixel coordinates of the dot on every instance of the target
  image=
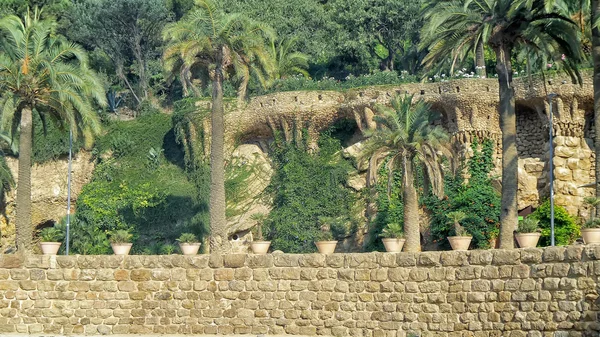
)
(481, 293)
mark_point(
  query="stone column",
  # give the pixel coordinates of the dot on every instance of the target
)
(572, 157)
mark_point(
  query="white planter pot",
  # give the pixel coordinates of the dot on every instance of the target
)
(326, 247)
(528, 240)
(121, 248)
(260, 247)
(460, 242)
(50, 248)
(393, 245)
(591, 236)
(189, 248)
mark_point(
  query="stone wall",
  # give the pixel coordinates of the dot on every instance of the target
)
(510, 293)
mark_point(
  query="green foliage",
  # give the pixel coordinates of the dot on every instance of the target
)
(120, 236)
(456, 217)
(151, 197)
(51, 234)
(566, 230)
(168, 249)
(306, 187)
(591, 223)
(392, 230)
(187, 238)
(477, 198)
(390, 209)
(51, 142)
(528, 225)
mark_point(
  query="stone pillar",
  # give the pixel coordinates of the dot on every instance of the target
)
(572, 157)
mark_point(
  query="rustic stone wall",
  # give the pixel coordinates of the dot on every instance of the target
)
(530, 292)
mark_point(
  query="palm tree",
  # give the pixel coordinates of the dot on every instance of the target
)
(42, 73)
(218, 44)
(504, 25)
(287, 61)
(405, 133)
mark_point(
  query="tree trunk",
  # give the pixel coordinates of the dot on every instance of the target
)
(596, 58)
(480, 60)
(508, 126)
(23, 221)
(411, 208)
(218, 221)
(241, 93)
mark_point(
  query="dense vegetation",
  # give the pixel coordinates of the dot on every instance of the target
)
(308, 193)
(155, 56)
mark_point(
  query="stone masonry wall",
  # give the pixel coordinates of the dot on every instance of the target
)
(480, 293)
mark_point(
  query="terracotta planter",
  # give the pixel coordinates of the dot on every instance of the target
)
(260, 247)
(121, 248)
(460, 242)
(189, 248)
(50, 248)
(528, 240)
(393, 245)
(591, 236)
(326, 247)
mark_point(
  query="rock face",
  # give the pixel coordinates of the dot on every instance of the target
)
(251, 159)
(48, 191)
(517, 292)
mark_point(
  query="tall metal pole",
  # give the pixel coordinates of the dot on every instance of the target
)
(551, 165)
(69, 189)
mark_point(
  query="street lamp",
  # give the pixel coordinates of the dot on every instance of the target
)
(69, 190)
(551, 165)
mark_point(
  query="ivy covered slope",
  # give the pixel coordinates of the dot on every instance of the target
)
(139, 184)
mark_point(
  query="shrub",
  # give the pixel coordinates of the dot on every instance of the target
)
(566, 230)
(591, 223)
(528, 225)
(477, 198)
(51, 234)
(392, 230)
(305, 187)
(187, 238)
(120, 236)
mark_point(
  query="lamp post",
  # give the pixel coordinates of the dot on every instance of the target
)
(69, 191)
(551, 165)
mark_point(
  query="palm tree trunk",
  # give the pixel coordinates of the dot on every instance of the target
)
(411, 208)
(242, 89)
(596, 58)
(480, 60)
(218, 221)
(508, 126)
(23, 221)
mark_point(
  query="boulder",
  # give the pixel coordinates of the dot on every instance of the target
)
(353, 152)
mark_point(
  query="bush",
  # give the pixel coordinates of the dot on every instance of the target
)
(140, 188)
(304, 188)
(566, 230)
(51, 234)
(477, 199)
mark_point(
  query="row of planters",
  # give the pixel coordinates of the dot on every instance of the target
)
(120, 241)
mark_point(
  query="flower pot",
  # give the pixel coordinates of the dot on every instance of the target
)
(528, 240)
(460, 242)
(326, 247)
(121, 248)
(591, 236)
(260, 247)
(189, 248)
(50, 248)
(393, 245)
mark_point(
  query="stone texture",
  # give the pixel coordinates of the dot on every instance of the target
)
(488, 293)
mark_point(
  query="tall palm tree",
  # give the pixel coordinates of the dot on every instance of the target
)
(504, 25)
(404, 133)
(221, 45)
(41, 72)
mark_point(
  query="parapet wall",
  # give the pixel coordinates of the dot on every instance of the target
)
(491, 293)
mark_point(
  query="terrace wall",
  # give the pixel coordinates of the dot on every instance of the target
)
(510, 293)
